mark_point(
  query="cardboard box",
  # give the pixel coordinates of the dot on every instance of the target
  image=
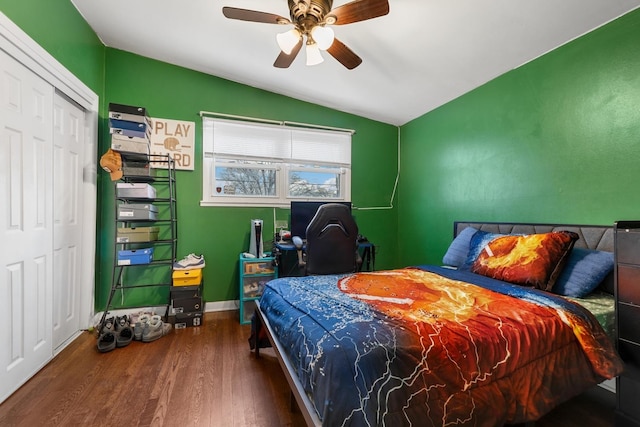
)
(187, 277)
(128, 133)
(135, 190)
(135, 256)
(131, 145)
(129, 112)
(186, 320)
(129, 125)
(137, 212)
(185, 305)
(123, 139)
(138, 169)
(129, 109)
(181, 292)
(137, 234)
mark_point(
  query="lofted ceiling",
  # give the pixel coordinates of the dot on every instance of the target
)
(421, 55)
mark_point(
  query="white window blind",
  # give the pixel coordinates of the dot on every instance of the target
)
(250, 140)
(299, 158)
(328, 147)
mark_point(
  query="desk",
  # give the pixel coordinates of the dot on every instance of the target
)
(287, 257)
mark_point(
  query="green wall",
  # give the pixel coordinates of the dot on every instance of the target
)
(556, 140)
(222, 233)
(60, 30)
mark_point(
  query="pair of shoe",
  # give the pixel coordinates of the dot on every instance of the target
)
(190, 262)
(150, 328)
(116, 332)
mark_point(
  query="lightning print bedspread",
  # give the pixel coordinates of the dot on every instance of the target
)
(430, 346)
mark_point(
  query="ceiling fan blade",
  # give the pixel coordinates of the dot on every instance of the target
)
(253, 16)
(284, 60)
(360, 10)
(344, 55)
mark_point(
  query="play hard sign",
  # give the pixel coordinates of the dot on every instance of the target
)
(176, 138)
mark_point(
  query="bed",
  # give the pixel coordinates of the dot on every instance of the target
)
(447, 344)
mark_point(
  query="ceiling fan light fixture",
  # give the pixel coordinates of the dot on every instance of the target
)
(323, 36)
(288, 40)
(313, 54)
(311, 20)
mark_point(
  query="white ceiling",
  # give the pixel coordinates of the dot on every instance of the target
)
(421, 55)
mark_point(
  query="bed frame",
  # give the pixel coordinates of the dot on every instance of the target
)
(595, 237)
(303, 402)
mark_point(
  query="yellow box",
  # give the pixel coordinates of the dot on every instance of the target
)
(187, 277)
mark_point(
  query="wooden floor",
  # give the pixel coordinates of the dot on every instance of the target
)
(203, 376)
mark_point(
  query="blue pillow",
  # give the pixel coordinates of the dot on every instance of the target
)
(458, 250)
(584, 271)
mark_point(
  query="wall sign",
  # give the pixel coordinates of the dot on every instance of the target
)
(174, 137)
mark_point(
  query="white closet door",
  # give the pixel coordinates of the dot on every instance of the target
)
(26, 228)
(68, 157)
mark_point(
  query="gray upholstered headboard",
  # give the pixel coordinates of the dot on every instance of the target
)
(598, 237)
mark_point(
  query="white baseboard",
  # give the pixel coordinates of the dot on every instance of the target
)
(221, 305)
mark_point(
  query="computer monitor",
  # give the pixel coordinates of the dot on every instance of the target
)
(302, 213)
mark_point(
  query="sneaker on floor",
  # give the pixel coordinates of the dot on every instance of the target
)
(190, 262)
(124, 332)
(106, 342)
(140, 326)
(155, 329)
(107, 337)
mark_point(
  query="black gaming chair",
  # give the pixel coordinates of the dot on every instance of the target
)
(332, 241)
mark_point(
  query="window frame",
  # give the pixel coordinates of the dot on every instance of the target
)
(294, 140)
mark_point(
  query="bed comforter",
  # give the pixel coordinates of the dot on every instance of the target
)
(430, 346)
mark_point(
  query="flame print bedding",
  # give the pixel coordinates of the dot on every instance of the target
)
(434, 347)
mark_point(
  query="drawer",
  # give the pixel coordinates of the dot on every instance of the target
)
(630, 354)
(628, 246)
(629, 284)
(259, 267)
(628, 316)
(628, 392)
(252, 287)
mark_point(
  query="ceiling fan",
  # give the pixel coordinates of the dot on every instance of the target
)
(311, 20)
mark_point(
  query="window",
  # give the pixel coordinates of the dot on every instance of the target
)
(251, 164)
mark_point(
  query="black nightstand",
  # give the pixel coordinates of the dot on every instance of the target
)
(627, 279)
